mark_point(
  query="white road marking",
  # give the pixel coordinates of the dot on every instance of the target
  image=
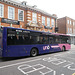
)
(54, 73)
(50, 70)
(24, 70)
(49, 59)
(18, 63)
(69, 64)
(69, 67)
(59, 62)
(55, 61)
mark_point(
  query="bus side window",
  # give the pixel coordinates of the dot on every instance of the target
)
(51, 40)
(34, 39)
(40, 40)
(9, 40)
(46, 40)
(14, 40)
(20, 40)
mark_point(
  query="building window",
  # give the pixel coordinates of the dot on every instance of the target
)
(20, 15)
(34, 17)
(52, 22)
(11, 12)
(67, 21)
(48, 21)
(70, 22)
(1, 10)
(43, 20)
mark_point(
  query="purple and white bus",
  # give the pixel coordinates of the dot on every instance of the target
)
(15, 42)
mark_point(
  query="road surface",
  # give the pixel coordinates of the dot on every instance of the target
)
(60, 63)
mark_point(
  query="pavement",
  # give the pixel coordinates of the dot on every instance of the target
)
(72, 46)
(59, 63)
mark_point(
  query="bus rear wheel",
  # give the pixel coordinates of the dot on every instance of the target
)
(63, 48)
(34, 52)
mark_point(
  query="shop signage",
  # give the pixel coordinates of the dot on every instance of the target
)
(4, 20)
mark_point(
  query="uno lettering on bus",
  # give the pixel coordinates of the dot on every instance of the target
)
(46, 47)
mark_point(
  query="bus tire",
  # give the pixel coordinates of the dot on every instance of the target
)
(63, 48)
(34, 52)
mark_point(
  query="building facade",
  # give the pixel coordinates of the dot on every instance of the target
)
(20, 15)
(66, 25)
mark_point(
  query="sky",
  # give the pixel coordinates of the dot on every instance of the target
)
(61, 8)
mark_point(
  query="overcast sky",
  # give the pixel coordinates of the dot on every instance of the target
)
(61, 8)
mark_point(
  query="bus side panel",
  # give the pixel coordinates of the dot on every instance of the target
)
(4, 52)
(24, 50)
(14, 51)
(67, 46)
(1, 42)
(54, 48)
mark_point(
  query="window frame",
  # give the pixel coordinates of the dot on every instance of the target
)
(43, 20)
(48, 21)
(18, 15)
(52, 23)
(10, 13)
(2, 11)
(68, 21)
(34, 17)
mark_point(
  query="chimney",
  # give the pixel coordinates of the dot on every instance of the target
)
(54, 15)
(24, 3)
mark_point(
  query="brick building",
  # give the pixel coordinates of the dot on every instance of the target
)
(66, 25)
(20, 15)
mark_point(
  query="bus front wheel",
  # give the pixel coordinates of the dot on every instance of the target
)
(34, 52)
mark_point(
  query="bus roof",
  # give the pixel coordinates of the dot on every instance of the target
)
(58, 34)
(26, 29)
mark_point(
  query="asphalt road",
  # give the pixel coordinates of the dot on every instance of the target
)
(60, 63)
